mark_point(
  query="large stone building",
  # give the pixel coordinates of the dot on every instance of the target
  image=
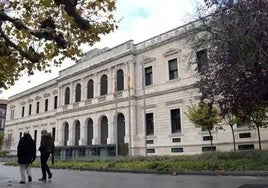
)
(80, 106)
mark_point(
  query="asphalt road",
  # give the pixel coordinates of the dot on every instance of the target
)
(9, 177)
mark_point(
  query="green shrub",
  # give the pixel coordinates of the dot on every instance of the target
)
(2, 153)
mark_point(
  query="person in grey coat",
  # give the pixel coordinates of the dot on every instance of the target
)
(46, 148)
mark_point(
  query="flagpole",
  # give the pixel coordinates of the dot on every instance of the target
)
(129, 111)
(116, 111)
(144, 109)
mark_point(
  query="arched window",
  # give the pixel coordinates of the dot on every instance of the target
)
(78, 93)
(67, 96)
(104, 85)
(89, 131)
(77, 133)
(120, 80)
(104, 130)
(90, 89)
(66, 134)
(121, 128)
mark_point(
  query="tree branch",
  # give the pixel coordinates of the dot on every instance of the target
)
(70, 9)
(30, 54)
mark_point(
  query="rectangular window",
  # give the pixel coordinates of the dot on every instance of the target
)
(150, 141)
(202, 60)
(55, 102)
(176, 150)
(208, 148)
(148, 76)
(35, 135)
(37, 107)
(46, 105)
(175, 120)
(246, 147)
(150, 124)
(8, 141)
(150, 150)
(30, 109)
(2, 123)
(241, 125)
(22, 111)
(244, 135)
(174, 140)
(12, 112)
(173, 69)
(206, 138)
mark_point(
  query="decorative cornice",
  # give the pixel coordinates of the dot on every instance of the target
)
(54, 92)
(23, 103)
(148, 59)
(46, 95)
(30, 100)
(171, 51)
(174, 102)
(37, 98)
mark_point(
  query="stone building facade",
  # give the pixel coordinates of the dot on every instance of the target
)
(104, 101)
(3, 106)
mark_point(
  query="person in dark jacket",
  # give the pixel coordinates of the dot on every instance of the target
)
(46, 148)
(26, 152)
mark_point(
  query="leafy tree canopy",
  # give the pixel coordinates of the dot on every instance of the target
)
(204, 115)
(34, 34)
(235, 74)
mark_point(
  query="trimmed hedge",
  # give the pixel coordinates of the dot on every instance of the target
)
(213, 161)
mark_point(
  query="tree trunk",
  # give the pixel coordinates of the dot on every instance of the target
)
(232, 128)
(259, 136)
(211, 145)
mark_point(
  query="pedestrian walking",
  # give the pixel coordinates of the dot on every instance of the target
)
(26, 153)
(46, 149)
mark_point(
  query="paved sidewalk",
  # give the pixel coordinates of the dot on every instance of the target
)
(9, 177)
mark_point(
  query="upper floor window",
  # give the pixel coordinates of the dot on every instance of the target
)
(67, 96)
(241, 125)
(173, 69)
(120, 80)
(12, 112)
(104, 85)
(37, 107)
(55, 102)
(150, 124)
(22, 111)
(2, 112)
(202, 60)
(175, 121)
(30, 109)
(78, 93)
(148, 76)
(46, 105)
(90, 89)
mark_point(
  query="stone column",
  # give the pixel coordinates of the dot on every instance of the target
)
(71, 140)
(111, 129)
(83, 131)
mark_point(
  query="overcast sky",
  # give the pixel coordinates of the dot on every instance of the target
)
(140, 20)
